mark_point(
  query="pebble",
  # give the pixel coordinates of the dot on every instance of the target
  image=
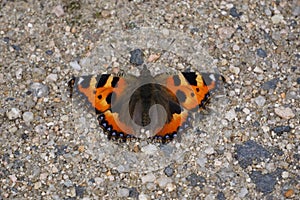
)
(28, 117)
(250, 151)
(285, 174)
(261, 53)
(289, 193)
(65, 118)
(233, 12)
(75, 65)
(277, 18)
(136, 57)
(19, 73)
(133, 192)
(225, 32)
(265, 183)
(243, 192)
(68, 183)
(163, 181)
(52, 77)
(246, 111)
(258, 70)
(196, 180)
(202, 161)
(123, 192)
(80, 191)
(169, 171)
(235, 70)
(260, 101)
(281, 129)
(37, 185)
(230, 115)
(209, 150)
(58, 11)
(148, 178)
(14, 113)
(285, 113)
(143, 196)
(39, 90)
(99, 180)
(150, 149)
(271, 84)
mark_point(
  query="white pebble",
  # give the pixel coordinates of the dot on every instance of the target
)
(14, 113)
(148, 178)
(28, 116)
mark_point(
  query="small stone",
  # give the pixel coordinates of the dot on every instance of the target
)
(49, 52)
(13, 178)
(277, 18)
(52, 77)
(258, 70)
(14, 113)
(75, 65)
(298, 80)
(123, 192)
(233, 12)
(289, 193)
(143, 196)
(230, 115)
(209, 150)
(221, 196)
(225, 32)
(265, 183)
(133, 192)
(39, 90)
(246, 111)
(243, 192)
(65, 118)
(261, 53)
(271, 84)
(234, 69)
(285, 174)
(80, 191)
(260, 101)
(148, 178)
(28, 117)
(250, 151)
(154, 57)
(285, 113)
(163, 181)
(150, 149)
(99, 180)
(105, 13)
(202, 161)
(281, 129)
(136, 57)
(169, 171)
(37, 185)
(19, 73)
(68, 183)
(58, 11)
(196, 180)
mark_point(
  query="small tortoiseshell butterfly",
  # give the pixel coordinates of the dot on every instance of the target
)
(147, 106)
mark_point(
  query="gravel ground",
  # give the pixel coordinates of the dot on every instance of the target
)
(247, 148)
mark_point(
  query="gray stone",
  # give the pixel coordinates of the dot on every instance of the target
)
(250, 151)
(75, 65)
(148, 178)
(123, 192)
(285, 113)
(28, 117)
(39, 90)
(260, 101)
(14, 113)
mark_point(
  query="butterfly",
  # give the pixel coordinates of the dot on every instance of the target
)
(158, 107)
